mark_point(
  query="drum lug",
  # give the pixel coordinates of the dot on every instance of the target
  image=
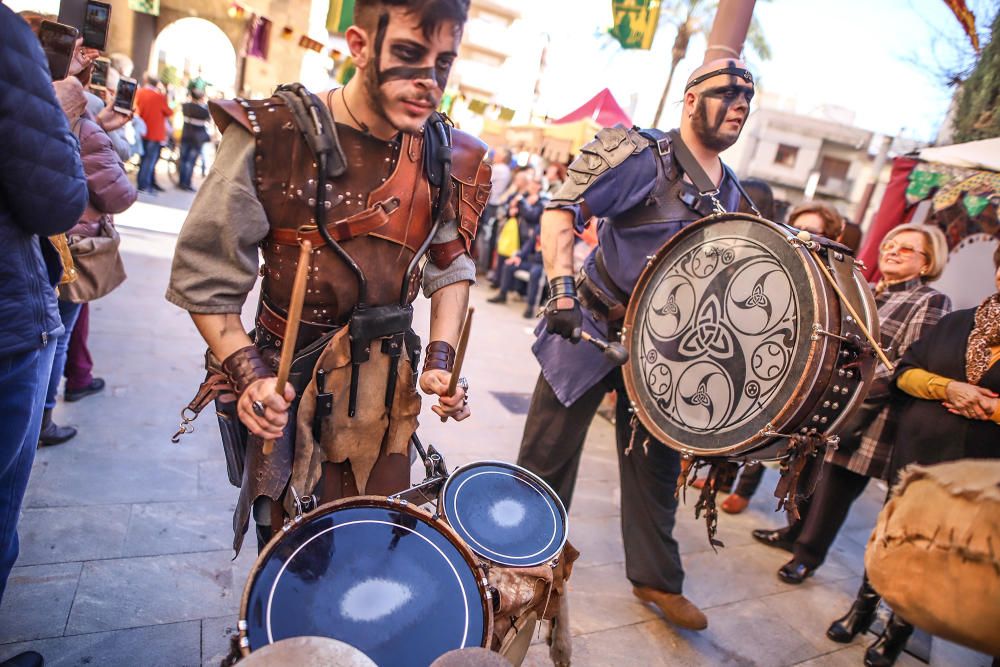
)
(241, 625)
(244, 642)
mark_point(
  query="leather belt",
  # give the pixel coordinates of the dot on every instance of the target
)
(357, 225)
(275, 324)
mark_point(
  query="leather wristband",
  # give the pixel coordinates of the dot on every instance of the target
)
(559, 288)
(440, 356)
(244, 367)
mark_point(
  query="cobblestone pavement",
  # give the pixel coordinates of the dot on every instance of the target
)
(126, 537)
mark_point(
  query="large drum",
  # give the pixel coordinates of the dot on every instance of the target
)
(381, 575)
(736, 338)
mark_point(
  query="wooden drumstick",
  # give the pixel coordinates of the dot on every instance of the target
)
(847, 304)
(463, 344)
(292, 325)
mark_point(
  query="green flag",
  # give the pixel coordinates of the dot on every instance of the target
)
(635, 22)
(340, 16)
(145, 6)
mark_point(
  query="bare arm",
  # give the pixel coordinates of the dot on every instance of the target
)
(448, 308)
(557, 242)
(223, 332)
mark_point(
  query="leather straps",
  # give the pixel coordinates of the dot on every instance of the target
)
(244, 367)
(443, 254)
(362, 223)
(440, 355)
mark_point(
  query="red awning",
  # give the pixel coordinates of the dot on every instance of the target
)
(602, 108)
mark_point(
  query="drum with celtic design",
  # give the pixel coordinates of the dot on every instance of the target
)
(736, 338)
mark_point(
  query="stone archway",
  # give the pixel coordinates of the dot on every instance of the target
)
(193, 46)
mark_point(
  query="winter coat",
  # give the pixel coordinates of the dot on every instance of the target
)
(42, 189)
(108, 186)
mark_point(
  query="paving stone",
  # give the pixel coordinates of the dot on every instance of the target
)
(37, 601)
(595, 498)
(171, 645)
(601, 598)
(166, 528)
(60, 535)
(133, 592)
(599, 540)
(732, 575)
(731, 626)
(215, 636)
(854, 655)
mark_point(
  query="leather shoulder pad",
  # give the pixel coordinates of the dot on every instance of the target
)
(611, 147)
(467, 153)
(225, 112)
(471, 178)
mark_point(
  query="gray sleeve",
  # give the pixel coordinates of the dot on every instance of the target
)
(461, 269)
(121, 144)
(216, 259)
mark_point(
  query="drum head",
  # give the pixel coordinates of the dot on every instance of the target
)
(505, 513)
(384, 578)
(718, 331)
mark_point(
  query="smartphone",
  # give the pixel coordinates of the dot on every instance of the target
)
(125, 95)
(99, 75)
(58, 41)
(96, 21)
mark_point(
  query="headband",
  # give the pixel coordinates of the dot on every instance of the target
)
(735, 71)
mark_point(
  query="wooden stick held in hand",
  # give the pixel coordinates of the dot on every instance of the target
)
(463, 343)
(292, 325)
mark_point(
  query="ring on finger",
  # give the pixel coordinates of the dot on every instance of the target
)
(258, 408)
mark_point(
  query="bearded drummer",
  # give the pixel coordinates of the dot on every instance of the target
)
(633, 179)
(372, 161)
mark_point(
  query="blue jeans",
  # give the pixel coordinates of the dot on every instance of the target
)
(536, 269)
(68, 312)
(147, 166)
(22, 377)
(189, 155)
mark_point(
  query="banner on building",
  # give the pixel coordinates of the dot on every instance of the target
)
(966, 18)
(145, 6)
(635, 22)
(340, 16)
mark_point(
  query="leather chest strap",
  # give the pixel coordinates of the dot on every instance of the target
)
(276, 325)
(357, 225)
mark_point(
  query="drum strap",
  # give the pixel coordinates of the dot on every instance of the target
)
(602, 270)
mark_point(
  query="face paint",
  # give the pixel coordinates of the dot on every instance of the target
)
(408, 51)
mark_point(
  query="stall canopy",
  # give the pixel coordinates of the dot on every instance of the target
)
(602, 108)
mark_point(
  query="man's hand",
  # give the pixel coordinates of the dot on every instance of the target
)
(436, 382)
(564, 317)
(82, 57)
(271, 424)
(970, 401)
(514, 261)
(111, 120)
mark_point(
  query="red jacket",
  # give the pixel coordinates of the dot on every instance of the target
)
(152, 107)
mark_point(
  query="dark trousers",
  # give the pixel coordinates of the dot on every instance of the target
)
(837, 489)
(189, 155)
(535, 269)
(486, 241)
(24, 378)
(147, 166)
(750, 479)
(79, 364)
(552, 446)
(68, 312)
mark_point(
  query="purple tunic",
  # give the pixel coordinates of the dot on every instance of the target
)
(572, 369)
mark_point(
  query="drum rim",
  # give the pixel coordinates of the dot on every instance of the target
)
(812, 368)
(383, 502)
(443, 506)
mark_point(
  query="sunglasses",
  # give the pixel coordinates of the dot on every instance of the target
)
(902, 249)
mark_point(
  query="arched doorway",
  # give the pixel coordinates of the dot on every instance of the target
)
(193, 47)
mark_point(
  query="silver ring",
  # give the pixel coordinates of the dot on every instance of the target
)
(464, 384)
(258, 408)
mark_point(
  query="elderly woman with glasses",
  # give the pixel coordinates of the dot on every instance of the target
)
(911, 256)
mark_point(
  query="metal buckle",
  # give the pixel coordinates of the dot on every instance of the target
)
(663, 146)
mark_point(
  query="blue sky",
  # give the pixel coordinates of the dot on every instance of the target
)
(873, 57)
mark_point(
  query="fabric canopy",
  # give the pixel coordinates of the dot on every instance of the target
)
(602, 108)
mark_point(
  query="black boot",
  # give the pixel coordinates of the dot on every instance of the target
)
(890, 644)
(499, 298)
(858, 618)
(52, 433)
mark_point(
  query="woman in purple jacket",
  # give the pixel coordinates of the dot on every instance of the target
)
(109, 192)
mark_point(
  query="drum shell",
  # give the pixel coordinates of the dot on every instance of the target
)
(379, 502)
(829, 385)
(934, 553)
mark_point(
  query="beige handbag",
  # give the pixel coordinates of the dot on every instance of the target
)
(98, 264)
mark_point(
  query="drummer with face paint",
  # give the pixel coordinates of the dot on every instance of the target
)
(642, 183)
(375, 179)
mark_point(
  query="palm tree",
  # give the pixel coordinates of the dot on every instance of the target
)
(690, 17)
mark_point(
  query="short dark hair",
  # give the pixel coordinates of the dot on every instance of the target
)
(431, 13)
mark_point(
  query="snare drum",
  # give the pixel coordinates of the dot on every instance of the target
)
(737, 340)
(506, 514)
(383, 576)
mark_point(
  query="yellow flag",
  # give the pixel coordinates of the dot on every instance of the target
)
(635, 22)
(340, 16)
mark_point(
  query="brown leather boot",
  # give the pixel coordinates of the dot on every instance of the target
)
(675, 607)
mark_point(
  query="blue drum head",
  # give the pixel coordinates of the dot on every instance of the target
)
(384, 578)
(505, 513)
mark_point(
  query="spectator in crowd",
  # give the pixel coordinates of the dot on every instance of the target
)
(817, 218)
(109, 192)
(42, 193)
(151, 105)
(911, 256)
(491, 220)
(194, 134)
(528, 258)
(554, 176)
